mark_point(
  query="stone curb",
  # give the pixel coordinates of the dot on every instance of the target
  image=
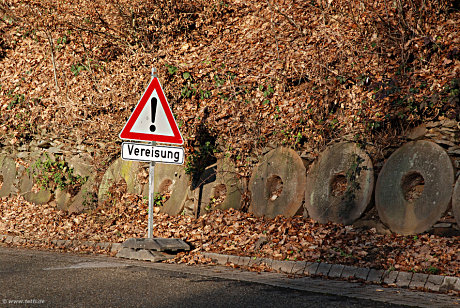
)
(400, 279)
(408, 280)
(107, 246)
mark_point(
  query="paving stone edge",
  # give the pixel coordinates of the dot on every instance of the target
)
(408, 280)
(401, 279)
(107, 246)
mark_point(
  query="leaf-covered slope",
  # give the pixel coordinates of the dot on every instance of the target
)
(239, 75)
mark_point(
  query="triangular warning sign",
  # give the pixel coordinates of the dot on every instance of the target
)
(152, 119)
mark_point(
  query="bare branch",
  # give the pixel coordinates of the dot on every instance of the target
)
(53, 60)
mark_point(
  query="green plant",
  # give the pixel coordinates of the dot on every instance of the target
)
(352, 175)
(189, 89)
(298, 138)
(51, 174)
(341, 79)
(268, 91)
(205, 94)
(17, 99)
(195, 162)
(76, 69)
(159, 199)
(171, 69)
(433, 270)
(219, 81)
(61, 42)
(186, 75)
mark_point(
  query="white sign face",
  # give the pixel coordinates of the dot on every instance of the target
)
(147, 153)
(152, 110)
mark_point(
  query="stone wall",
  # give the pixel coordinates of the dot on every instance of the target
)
(269, 193)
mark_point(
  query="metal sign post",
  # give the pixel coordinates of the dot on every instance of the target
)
(151, 196)
(151, 184)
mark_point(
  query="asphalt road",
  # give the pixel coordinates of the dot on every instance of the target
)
(51, 279)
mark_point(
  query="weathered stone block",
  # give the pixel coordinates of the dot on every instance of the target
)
(336, 270)
(298, 267)
(390, 277)
(311, 268)
(129, 171)
(323, 269)
(418, 280)
(456, 201)
(144, 255)
(233, 259)
(243, 261)
(7, 176)
(216, 257)
(349, 271)
(449, 283)
(103, 245)
(85, 198)
(434, 282)
(172, 179)
(267, 261)
(362, 273)
(219, 181)
(287, 266)
(277, 265)
(254, 261)
(63, 199)
(375, 276)
(116, 247)
(404, 279)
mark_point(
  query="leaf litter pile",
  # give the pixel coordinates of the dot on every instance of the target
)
(239, 76)
(231, 232)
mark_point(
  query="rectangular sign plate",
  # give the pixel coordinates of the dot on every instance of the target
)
(147, 153)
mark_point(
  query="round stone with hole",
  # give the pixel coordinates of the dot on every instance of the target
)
(28, 186)
(414, 187)
(456, 201)
(171, 183)
(219, 187)
(339, 184)
(277, 184)
(130, 172)
(7, 176)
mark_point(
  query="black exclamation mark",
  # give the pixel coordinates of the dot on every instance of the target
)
(153, 108)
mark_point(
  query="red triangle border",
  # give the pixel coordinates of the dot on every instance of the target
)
(127, 134)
